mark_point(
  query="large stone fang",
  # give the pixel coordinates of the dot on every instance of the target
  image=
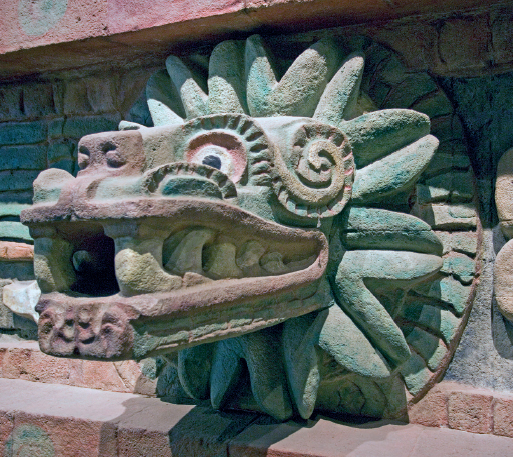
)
(188, 255)
(273, 263)
(249, 254)
(221, 261)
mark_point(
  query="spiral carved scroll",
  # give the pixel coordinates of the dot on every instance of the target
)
(313, 174)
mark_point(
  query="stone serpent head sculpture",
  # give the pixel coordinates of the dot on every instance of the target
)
(243, 231)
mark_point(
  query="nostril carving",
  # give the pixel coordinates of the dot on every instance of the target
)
(108, 146)
(84, 157)
(83, 150)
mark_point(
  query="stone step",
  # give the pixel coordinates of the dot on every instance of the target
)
(56, 420)
(24, 360)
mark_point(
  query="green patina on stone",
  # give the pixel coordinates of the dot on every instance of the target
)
(436, 104)
(55, 128)
(369, 228)
(415, 373)
(444, 162)
(14, 133)
(257, 234)
(428, 346)
(23, 157)
(28, 439)
(456, 186)
(12, 209)
(38, 18)
(449, 291)
(438, 320)
(461, 266)
(14, 230)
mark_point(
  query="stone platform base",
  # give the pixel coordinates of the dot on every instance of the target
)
(24, 360)
(56, 420)
(447, 405)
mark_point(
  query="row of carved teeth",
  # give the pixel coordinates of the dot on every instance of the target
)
(199, 255)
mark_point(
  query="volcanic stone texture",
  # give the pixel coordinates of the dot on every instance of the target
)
(70, 421)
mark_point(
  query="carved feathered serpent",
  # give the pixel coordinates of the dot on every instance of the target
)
(247, 230)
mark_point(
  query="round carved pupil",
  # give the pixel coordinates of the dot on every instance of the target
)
(212, 161)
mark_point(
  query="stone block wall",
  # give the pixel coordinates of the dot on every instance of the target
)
(41, 123)
(468, 56)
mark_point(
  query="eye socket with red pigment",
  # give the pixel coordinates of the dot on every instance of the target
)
(213, 161)
(219, 150)
(216, 157)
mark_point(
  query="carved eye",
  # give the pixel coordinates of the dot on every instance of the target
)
(235, 144)
(219, 150)
(114, 159)
(213, 161)
(216, 157)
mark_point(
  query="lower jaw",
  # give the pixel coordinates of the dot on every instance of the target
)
(155, 324)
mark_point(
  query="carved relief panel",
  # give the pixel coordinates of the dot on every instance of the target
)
(285, 233)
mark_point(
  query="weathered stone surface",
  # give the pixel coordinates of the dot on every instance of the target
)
(235, 162)
(472, 413)
(455, 217)
(6, 428)
(503, 280)
(445, 160)
(23, 157)
(38, 100)
(462, 46)
(24, 271)
(6, 318)
(76, 127)
(502, 416)
(13, 133)
(464, 242)
(408, 91)
(21, 298)
(503, 264)
(10, 103)
(24, 360)
(10, 251)
(447, 127)
(504, 192)
(435, 104)
(432, 410)
(60, 150)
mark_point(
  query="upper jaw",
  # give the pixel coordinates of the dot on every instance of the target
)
(213, 271)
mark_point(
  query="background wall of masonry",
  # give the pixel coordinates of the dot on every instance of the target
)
(48, 104)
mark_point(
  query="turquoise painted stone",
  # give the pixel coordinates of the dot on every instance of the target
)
(256, 232)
